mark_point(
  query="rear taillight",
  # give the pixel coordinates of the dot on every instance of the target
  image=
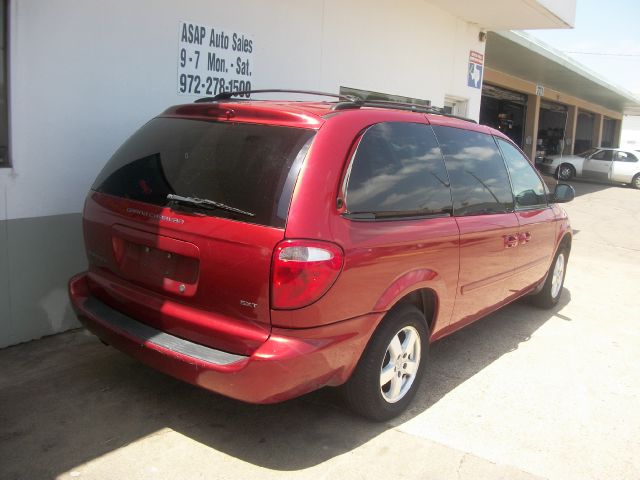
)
(303, 271)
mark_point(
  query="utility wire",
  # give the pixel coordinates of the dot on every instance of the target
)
(605, 54)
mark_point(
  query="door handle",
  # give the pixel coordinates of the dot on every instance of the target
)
(510, 241)
(524, 237)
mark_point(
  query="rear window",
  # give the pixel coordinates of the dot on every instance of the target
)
(249, 167)
(398, 170)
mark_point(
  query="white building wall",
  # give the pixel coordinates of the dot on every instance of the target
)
(405, 48)
(630, 134)
(85, 74)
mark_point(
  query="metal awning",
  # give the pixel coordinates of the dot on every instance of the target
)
(523, 56)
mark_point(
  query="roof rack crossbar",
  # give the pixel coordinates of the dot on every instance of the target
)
(412, 107)
(229, 95)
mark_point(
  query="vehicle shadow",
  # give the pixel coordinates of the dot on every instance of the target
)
(67, 400)
(458, 357)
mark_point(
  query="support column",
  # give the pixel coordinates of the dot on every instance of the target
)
(531, 126)
(617, 133)
(596, 139)
(570, 132)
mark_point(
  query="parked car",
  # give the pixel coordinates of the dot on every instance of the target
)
(265, 249)
(613, 165)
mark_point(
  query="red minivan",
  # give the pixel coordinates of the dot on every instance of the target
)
(265, 249)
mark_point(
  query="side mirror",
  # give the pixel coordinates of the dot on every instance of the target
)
(563, 193)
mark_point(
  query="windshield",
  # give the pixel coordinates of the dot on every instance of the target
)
(250, 167)
(589, 152)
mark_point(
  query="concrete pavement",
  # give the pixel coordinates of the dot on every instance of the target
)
(522, 394)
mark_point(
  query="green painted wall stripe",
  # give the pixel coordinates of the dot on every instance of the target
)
(41, 254)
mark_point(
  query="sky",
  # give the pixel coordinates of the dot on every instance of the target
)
(607, 33)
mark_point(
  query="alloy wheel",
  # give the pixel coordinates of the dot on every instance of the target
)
(400, 364)
(557, 276)
(565, 173)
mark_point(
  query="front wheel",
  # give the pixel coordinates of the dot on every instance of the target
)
(635, 183)
(565, 172)
(549, 296)
(389, 372)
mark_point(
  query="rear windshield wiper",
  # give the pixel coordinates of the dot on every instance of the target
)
(206, 203)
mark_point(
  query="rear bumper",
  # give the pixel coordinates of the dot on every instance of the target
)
(290, 363)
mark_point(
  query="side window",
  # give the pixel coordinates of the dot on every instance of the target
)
(398, 170)
(528, 189)
(479, 180)
(605, 155)
(625, 157)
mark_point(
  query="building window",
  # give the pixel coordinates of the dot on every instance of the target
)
(455, 106)
(4, 110)
(385, 97)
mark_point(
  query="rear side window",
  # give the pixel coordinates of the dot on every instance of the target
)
(625, 157)
(398, 170)
(479, 181)
(249, 167)
(528, 189)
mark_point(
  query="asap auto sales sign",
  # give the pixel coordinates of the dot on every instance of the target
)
(212, 60)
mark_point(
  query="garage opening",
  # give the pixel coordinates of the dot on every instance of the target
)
(584, 132)
(552, 124)
(608, 133)
(504, 110)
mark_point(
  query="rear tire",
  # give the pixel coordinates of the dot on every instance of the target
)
(551, 291)
(390, 370)
(635, 183)
(565, 172)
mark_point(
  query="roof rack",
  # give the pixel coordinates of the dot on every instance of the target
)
(229, 95)
(346, 101)
(411, 107)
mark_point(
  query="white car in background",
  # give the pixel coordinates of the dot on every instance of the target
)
(614, 165)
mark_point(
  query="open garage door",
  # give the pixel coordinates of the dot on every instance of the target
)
(504, 110)
(608, 133)
(552, 124)
(584, 132)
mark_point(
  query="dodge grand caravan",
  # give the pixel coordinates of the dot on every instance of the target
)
(265, 249)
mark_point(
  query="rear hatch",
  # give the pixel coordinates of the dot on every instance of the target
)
(200, 271)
